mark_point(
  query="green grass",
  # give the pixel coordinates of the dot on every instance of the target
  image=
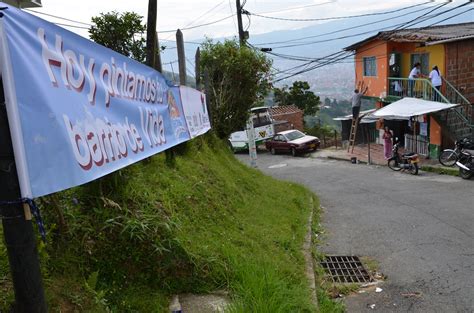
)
(205, 222)
(452, 171)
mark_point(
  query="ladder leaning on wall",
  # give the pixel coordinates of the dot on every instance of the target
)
(352, 135)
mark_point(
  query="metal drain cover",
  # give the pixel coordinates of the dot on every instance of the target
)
(345, 269)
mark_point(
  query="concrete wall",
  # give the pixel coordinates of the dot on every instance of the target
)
(377, 84)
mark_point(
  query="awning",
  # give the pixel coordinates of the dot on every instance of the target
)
(408, 107)
(349, 116)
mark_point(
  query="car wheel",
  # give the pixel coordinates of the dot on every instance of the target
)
(273, 151)
(293, 152)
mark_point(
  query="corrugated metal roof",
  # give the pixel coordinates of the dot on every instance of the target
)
(285, 109)
(453, 32)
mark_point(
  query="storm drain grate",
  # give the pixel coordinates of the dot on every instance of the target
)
(345, 269)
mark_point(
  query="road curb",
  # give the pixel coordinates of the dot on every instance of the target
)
(308, 256)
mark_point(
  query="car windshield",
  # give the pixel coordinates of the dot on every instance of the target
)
(294, 135)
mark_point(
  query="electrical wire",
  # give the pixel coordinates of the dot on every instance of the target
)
(58, 17)
(300, 7)
(335, 17)
(343, 29)
(336, 57)
(337, 60)
(358, 34)
(197, 26)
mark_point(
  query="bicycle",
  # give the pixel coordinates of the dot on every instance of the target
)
(449, 157)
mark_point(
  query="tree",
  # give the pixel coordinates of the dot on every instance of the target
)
(299, 95)
(123, 33)
(239, 78)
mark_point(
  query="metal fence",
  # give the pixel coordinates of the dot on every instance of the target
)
(417, 144)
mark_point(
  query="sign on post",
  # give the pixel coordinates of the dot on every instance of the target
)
(77, 110)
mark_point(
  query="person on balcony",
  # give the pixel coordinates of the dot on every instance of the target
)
(357, 99)
(435, 78)
(414, 73)
(387, 143)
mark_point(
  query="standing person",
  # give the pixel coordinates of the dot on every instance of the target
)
(414, 73)
(435, 78)
(356, 99)
(387, 143)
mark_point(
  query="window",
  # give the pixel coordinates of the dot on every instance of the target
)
(370, 66)
(423, 59)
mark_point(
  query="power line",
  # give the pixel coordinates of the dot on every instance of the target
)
(336, 60)
(344, 29)
(197, 26)
(58, 17)
(336, 56)
(335, 17)
(371, 31)
(299, 7)
(202, 15)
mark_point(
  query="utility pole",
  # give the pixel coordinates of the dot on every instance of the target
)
(239, 22)
(20, 239)
(151, 33)
(181, 57)
(158, 66)
(197, 61)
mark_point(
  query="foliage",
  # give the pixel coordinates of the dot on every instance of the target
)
(299, 95)
(122, 32)
(324, 131)
(239, 77)
(129, 241)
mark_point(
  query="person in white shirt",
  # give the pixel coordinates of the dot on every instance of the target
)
(414, 73)
(435, 78)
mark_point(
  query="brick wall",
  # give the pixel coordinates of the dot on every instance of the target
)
(460, 66)
(293, 118)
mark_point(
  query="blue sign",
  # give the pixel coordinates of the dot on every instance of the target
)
(77, 110)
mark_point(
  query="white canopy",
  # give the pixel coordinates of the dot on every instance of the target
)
(408, 107)
(349, 116)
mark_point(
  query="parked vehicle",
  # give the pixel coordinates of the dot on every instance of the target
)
(449, 157)
(407, 161)
(263, 128)
(466, 164)
(292, 141)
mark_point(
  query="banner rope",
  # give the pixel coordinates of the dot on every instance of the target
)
(34, 210)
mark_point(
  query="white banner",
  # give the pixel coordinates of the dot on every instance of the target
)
(195, 111)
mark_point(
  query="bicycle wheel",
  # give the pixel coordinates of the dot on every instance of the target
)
(393, 164)
(448, 157)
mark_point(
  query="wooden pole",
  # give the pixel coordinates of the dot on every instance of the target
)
(158, 65)
(20, 238)
(197, 61)
(151, 33)
(239, 22)
(181, 57)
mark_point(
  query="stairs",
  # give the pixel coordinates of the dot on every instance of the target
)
(458, 121)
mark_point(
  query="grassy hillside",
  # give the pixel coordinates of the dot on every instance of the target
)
(127, 242)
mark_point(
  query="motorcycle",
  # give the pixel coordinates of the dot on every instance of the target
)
(449, 157)
(466, 164)
(407, 161)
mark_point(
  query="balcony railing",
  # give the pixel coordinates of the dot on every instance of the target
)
(415, 88)
(459, 120)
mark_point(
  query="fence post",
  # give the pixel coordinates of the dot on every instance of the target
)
(335, 137)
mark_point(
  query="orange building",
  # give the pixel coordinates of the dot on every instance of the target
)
(383, 63)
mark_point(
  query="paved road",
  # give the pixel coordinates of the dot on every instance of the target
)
(419, 228)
